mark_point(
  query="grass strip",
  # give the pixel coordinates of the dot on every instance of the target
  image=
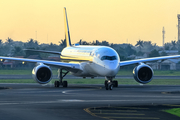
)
(121, 72)
(99, 81)
(174, 111)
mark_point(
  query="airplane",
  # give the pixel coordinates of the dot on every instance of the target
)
(88, 61)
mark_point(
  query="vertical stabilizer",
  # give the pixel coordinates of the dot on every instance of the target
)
(67, 34)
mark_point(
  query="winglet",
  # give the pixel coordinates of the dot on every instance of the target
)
(67, 34)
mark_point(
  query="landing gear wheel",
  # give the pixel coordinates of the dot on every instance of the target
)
(106, 86)
(56, 83)
(61, 75)
(115, 83)
(110, 86)
(105, 82)
(65, 84)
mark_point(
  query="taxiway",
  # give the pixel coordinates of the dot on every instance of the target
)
(79, 102)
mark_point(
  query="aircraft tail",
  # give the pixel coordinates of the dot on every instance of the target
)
(67, 34)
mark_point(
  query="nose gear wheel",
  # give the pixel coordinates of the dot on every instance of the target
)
(109, 84)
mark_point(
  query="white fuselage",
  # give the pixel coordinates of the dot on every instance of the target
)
(94, 60)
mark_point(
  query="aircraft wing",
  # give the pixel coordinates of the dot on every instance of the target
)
(67, 66)
(129, 62)
(43, 51)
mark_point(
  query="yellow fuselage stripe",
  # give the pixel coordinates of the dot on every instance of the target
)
(76, 58)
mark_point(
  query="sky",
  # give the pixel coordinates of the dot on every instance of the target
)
(116, 21)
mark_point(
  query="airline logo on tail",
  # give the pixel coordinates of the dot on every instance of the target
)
(67, 34)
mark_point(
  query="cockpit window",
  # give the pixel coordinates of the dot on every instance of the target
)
(108, 58)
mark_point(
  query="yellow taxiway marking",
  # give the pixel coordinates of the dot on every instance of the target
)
(111, 118)
(87, 110)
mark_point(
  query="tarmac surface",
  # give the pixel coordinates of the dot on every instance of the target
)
(80, 102)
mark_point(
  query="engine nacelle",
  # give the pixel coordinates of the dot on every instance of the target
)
(143, 73)
(42, 74)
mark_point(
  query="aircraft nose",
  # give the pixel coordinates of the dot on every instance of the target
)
(111, 72)
(112, 69)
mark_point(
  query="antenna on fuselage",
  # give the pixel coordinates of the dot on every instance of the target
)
(67, 34)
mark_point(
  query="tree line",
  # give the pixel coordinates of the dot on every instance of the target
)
(126, 51)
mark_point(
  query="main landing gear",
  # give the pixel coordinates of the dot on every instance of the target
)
(61, 76)
(109, 84)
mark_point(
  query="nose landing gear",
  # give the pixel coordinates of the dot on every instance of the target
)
(109, 84)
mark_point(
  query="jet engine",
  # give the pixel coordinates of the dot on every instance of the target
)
(143, 73)
(42, 74)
